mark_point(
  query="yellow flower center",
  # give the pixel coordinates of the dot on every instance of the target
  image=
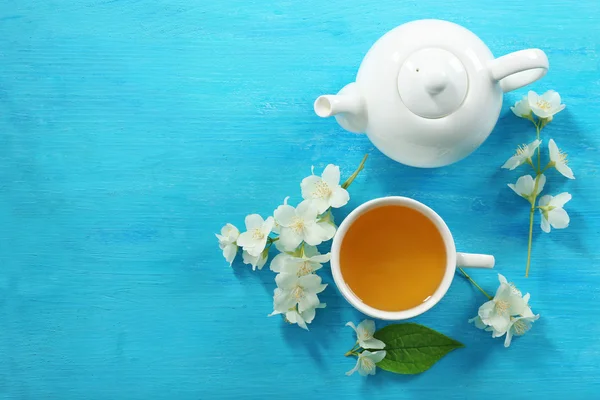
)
(562, 158)
(367, 364)
(257, 234)
(297, 225)
(544, 105)
(305, 269)
(502, 306)
(298, 292)
(521, 149)
(514, 289)
(520, 327)
(322, 190)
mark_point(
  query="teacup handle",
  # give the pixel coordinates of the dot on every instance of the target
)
(475, 260)
(519, 69)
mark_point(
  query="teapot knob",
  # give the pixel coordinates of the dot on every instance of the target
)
(432, 83)
(435, 81)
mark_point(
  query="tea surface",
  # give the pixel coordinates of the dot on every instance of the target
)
(393, 258)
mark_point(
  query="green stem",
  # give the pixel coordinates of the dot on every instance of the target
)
(355, 174)
(475, 283)
(538, 128)
(531, 212)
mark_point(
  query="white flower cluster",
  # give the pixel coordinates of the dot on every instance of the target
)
(508, 313)
(543, 107)
(366, 361)
(296, 231)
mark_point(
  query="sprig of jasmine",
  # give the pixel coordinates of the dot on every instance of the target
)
(295, 232)
(506, 314)
(540, 110)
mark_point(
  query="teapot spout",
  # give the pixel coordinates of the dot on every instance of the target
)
(329, 105)
(347, 106)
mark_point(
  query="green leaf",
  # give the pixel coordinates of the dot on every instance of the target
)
(412, 348)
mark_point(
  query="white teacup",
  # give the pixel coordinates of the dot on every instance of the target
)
(453, 259)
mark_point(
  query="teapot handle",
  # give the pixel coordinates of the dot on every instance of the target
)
(519, 69)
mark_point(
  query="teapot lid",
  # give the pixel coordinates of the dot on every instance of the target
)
(432, 82)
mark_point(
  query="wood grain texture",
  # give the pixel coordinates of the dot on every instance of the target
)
(131, 130)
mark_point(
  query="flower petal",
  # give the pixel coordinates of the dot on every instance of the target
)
(372, 344)
(499, 323)
(375, 356)
(486, 310)
(502, 279)
(253, 221)
(339, 197)
(267, 226)
(541, 181)
(544, 224)
(508, 338)
(560, 199)
(558, 218)
(284, 215)
(230, 232)
(553, 150)
(478, 322)
(328, 229)
(309, 185)
(353, 370)
(320, 258)
(544, 200)
(366, 329)
(351, 325)
(314, 234)
(310, 300)
(307, 211)
(552, 97)
(286, 281)
(310, 283)
(309, 315)
(331, 175)
(279, 261)
(246, 240)
(524, 185)
(229, 253)
(283, 301)
(527, 313)
(513, 162)
(289, 239)
(565, 170)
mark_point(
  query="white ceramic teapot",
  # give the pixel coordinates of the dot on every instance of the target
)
(429, 92)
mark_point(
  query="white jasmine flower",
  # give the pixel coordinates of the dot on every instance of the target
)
(255, 238)
(366, 364)
(525, 186)
(297, 290)
(325, 191)
(546, 105)
(304, 264)
(227, 242)
(559, 160)
(299, 224)
(521, 108)
(553, 214)
(294, 317)
(522, 156)
(364, 335)
(496, 313)
(256, 262)
(519, 326)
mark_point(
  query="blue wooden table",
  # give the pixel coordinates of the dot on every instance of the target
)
(132, 130)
